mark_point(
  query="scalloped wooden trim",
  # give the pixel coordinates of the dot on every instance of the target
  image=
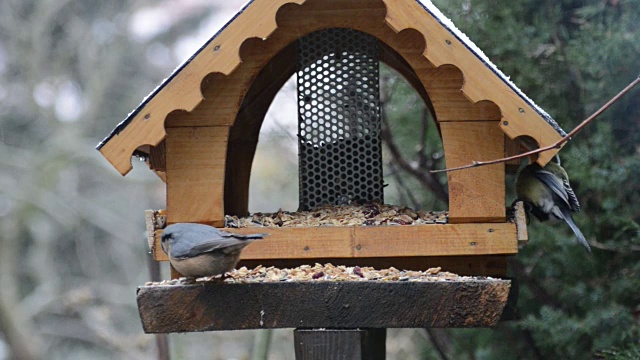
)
(480, 83)
(222, 55)
(183, 91)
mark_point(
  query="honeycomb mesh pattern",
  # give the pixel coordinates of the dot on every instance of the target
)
(339, 144)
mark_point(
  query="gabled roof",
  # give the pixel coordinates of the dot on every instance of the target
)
(220, 54)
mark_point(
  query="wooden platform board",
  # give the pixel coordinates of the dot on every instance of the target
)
(325, 304)
(465, 249)
(375, 241)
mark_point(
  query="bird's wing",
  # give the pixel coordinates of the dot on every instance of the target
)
(555, 184)
(573, 200)
(217, 240)
(209, 245)
(190, 240)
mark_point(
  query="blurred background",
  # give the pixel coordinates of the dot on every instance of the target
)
(72, 242)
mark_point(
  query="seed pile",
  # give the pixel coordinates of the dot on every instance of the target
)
(327, 272)
(340, 215)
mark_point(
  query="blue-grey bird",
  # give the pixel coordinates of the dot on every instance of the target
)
(197, 250)
(547, 194)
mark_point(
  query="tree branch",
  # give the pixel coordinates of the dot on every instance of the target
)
(440, 340)
(22, 345)
(405, 191)
(430, 181)
(425, 178)
(540, 292)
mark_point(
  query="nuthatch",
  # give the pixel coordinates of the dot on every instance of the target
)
(547, 194)
(197, 250)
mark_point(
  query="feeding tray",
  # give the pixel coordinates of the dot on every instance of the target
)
(372, 234)
(328, 296)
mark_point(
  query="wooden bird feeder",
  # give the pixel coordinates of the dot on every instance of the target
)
(199, 130)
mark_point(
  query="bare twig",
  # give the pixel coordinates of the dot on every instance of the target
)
(440, 340)
(601, 246)
(534, 286)
(555, 145)
(403, 188)
(423, 177)
(19, 340)
(261, 344)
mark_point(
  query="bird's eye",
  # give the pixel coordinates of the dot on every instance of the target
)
(165, 237)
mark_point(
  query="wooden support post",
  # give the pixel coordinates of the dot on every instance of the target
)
(475, 195)
(347, 344)
(195, 163)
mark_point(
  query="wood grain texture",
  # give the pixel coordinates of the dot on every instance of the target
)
(477, 194)
(379, 241)
(336, 305)
(345, 344)
(521, 222)
(511, 148)
(157, 157)
(195, 174)
(443, 84)
(150, 229)
(217, 64)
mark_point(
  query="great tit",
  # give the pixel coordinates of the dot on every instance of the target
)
(197, 250)
(547, 194)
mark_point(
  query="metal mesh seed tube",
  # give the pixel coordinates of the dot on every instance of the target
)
(339, 144)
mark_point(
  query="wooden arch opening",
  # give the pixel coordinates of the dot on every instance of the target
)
(209, 149)
(243, 136)
(229, 118)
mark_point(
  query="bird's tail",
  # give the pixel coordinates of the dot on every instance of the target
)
(569, 220)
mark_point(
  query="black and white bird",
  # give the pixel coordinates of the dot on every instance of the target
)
(547, 194)
(197, 250)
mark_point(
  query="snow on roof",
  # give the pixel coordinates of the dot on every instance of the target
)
(448, 24)
(426, 4)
